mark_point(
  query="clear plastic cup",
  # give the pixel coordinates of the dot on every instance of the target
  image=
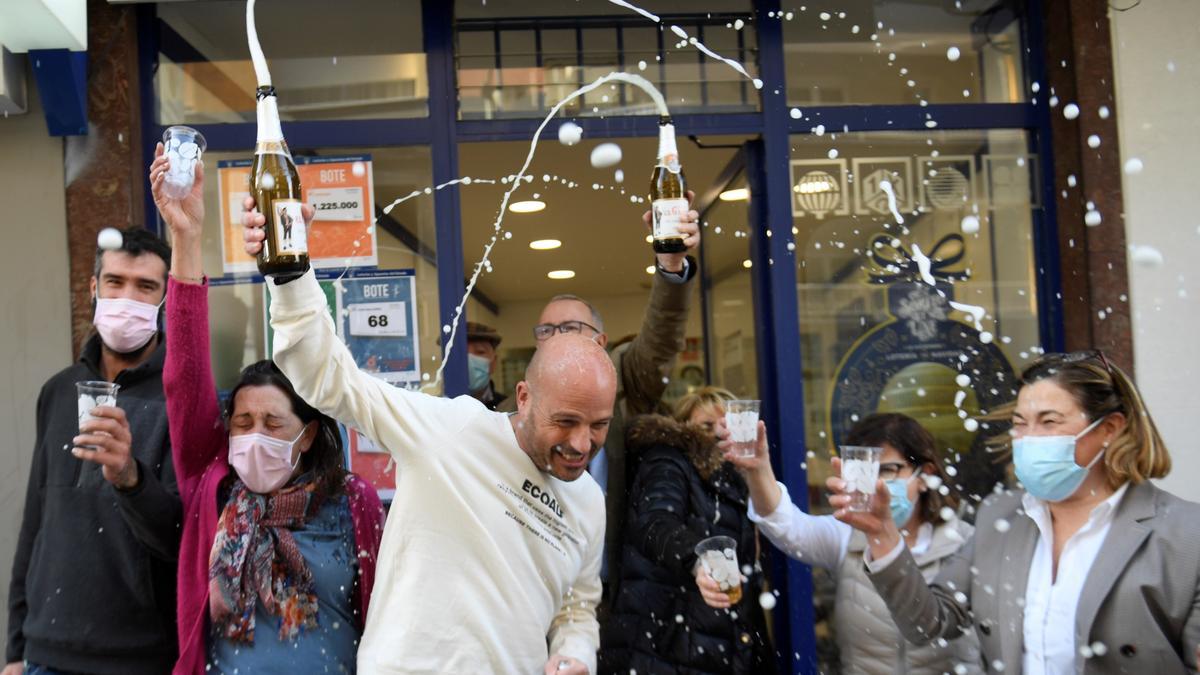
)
(741, 418)
(718, 556)
(183, 146)
(93, 394)
(860, 470)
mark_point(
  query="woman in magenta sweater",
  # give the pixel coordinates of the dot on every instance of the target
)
(286, 541)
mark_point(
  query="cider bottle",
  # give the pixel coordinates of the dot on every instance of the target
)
(275, 185)
(668, 192)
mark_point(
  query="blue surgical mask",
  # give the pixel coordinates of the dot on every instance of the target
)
(1046, 464)
(901, 505)
(479, 372)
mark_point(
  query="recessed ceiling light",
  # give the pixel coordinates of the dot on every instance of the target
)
(562, 274)
(527, 206)
(650, 269)
(544, 244)
(735, 195)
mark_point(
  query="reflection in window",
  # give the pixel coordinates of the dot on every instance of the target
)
(356, 70)
(904, 52)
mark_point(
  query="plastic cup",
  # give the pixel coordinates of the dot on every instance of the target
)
(183, 146)
(93, 394)
(741, 418)
(718, 555)
(860, 470)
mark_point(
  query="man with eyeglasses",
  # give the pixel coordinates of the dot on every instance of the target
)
(643, 368)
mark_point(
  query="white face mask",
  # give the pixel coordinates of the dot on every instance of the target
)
(264, 463)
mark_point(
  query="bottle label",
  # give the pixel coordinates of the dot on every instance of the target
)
(668, 214)
(289, 226)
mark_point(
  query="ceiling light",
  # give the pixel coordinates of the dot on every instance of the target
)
(544, 244)
(650, 269)
(562, 274)
(528, 206)
(735, 195)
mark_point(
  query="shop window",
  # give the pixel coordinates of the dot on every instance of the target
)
(903, 52)
(327, 65)
(520, 59)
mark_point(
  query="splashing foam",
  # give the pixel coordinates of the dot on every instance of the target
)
(628, 78)
(886, 186)
(683, 35)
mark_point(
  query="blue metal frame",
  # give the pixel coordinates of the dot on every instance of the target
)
(438, 21)
(777, 312)
(767, 166)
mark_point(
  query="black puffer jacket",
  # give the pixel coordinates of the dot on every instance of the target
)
(683, 492)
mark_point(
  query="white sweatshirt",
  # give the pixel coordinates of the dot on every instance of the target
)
(486, 561)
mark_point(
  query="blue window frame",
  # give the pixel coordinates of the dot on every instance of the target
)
(766, 165)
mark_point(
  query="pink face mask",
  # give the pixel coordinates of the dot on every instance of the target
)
(125, 325)
(264, 463)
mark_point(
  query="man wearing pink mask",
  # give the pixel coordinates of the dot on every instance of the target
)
(93, 579)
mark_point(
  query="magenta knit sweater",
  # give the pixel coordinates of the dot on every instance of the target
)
(200, 450)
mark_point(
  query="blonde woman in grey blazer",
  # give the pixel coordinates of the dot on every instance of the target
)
(1089, 569)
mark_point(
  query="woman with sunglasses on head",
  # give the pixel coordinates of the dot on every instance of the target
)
(867, 639)
(279, 542)
(1090, 568)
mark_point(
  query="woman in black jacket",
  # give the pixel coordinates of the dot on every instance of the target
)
(683, 493)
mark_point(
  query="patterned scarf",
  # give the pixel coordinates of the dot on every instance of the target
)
(254, 557)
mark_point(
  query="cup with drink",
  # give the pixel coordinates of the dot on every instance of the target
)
(718, 556)
(860, 470)
(183, 147)
(93, 394)
(741, 418)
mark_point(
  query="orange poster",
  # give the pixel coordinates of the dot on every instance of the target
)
(340, 189)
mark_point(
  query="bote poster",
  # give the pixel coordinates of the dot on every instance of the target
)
(340, 189)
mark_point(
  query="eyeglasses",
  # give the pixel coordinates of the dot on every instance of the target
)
(891, 470)
(543, 331)
(1083, 355)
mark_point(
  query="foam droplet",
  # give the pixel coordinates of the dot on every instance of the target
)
(358, 169)
(1070, 111)
(739, 24)
(963, 380)
(1091, 218)
(833, 153)
(110, 239)
(1133, 166)
(1146, 256)
(266, 181)
(1001, 525)
(971, 425)
(767, 601)
(970, 224)
(569, 133)
(1093, 141)
(641, 65)
(606, 155)
(796, 113)
(619, 176)
(953, 53)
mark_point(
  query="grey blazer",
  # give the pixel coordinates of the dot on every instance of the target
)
(1141, 599)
